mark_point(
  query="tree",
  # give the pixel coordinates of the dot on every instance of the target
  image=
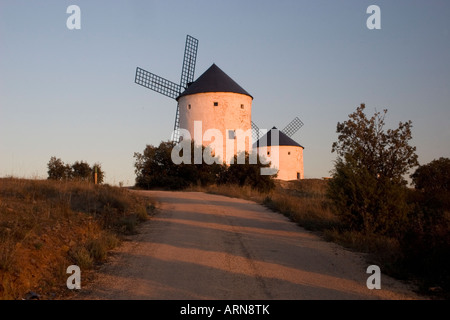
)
(433, 180)
(426, 244)
(434, 176)
(81, 171)
(248, 174)
(385, 154)
(368, 185)
(154, 168)
(57, 170)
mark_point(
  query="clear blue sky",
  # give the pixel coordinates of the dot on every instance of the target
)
(71, 93)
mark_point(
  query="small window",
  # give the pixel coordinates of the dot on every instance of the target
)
(242, 106)
(189, 107)
(289, 153)
(298, 175)
(216, 104)
(231, 134)
(268, 153)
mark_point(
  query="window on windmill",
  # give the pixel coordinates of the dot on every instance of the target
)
(289, 153)
(189, 107)
(268, 153)
(216, 104)
(298, 175)
(242, 106)
(231, 134)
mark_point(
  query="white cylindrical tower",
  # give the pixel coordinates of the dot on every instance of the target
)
(217, 111)
(289, 154)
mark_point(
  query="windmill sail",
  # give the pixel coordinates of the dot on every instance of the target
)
(292, 127)
(169, 88)
(157, 83)
(190, 57)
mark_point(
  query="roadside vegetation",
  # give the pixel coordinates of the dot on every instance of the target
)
(48, 225)
(155, 168)
(79, 171)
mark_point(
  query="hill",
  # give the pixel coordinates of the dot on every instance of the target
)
(46, 226)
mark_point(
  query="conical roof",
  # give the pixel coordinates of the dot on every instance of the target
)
(283, 139)
(213, 80)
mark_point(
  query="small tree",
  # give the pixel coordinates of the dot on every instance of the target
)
(433, 180)
(57, 170)
(434, 176)
(248, 174)
(81, 171)
(154, 168)
(426, 244)
(368, 179)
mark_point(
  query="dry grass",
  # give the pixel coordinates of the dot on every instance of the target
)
(45, 226)
(303, 201)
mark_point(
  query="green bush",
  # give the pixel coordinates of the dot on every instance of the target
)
(368, 187)
(80, 170)
(366, 203)
(154, 168)
(247, 174)
(57, 170)
(433, 180)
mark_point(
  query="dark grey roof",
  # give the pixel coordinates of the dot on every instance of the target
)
(213, 80)
(283, 139)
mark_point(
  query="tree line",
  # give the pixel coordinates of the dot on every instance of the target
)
(154, 168)
(79, 170)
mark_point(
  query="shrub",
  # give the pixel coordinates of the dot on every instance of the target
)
(81, 257)
(368, 188)
(433, 180)
(154, 168)
(366, 203)
(247, 174)
(57, 170)
(80, 170)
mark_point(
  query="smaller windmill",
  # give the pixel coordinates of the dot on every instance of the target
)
(280, 147)
(169, 88)
(289, 130)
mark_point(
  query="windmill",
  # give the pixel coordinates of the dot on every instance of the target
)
(289, 130)
(169, 88)
(286, 155)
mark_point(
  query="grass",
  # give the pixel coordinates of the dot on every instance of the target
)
(45, 226)
(303, 201)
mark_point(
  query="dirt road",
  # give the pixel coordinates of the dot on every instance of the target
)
(202, 246)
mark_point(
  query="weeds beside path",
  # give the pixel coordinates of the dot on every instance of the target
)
(45, 226)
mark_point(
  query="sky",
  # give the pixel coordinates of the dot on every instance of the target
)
(71, 93)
